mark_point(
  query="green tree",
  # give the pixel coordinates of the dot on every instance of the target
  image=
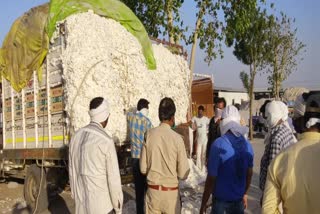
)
(250, 47)
(160, 17)
(285, 49)
(244, 77)
(163, 17)
(206, 30)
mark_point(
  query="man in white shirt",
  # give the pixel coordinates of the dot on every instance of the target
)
(93, 165)
(201, 124)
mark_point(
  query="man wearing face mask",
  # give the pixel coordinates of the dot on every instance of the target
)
(293, 177)
(229, 167)
(280, 136)
(93, 165)
(164, 161)
(138, 124)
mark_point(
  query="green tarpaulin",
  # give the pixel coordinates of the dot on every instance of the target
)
(26, 45)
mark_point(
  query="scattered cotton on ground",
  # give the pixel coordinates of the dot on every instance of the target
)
(102, 58)
(191, 190)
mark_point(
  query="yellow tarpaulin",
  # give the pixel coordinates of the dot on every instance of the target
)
(25, 47)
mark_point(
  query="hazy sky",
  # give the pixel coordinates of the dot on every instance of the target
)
(226, 70)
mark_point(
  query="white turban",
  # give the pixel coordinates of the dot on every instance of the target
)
(276, 111)
(299, 107)
(312, 121)
(284, 111)
(101, 113)
(231, 121)
(315, 99)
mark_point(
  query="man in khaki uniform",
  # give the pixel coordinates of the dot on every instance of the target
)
(164, 161)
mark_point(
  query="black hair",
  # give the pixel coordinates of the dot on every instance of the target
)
(95, 102)
(201, 108)
(263, 108)
(167, 109)
(308, 114)
(214, 133)
(222, 100)
(142, 103)
(237, 105)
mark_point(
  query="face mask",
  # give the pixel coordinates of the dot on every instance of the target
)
(145, 112)
(174, 123)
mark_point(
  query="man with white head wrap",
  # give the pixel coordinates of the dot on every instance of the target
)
(294, 175)
(299, 107)
(280, 136)
(93, 165)
(229, 166)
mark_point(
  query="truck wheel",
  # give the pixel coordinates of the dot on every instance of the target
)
(31, 189)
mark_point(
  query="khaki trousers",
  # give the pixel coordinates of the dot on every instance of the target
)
(163, 202)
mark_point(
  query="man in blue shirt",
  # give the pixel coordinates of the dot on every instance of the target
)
(229, 167)
(138, 124)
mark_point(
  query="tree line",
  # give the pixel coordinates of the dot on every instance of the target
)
(261, 37)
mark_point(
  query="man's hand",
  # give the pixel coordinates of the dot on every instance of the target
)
(245, 201)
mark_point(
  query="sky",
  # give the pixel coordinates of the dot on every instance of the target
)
(226, 71)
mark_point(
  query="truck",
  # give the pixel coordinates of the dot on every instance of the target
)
(36, 131)
(202, 94)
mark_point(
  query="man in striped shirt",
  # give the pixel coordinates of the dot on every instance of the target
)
(281, 137)
(138, 124)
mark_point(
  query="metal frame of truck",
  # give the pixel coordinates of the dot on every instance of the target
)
(44, 164)
(33, 149)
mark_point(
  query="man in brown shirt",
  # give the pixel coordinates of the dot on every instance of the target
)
(164, 161)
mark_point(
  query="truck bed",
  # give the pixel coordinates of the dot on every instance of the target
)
(34, 117)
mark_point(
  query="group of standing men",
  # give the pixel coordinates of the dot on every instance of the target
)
(292, 175)
(288, 174)
(159, 161)
(207, 130)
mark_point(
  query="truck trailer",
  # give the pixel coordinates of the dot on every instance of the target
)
(36, 129)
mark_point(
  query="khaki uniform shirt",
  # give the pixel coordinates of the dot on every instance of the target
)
(294, 178)
(163, 158)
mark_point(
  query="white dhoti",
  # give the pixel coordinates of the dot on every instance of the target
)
(201, 151)
(191, 141)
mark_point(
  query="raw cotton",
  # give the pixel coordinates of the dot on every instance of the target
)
(102, 58)
(191, 190)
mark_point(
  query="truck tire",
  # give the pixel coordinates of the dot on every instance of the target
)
(31, 189)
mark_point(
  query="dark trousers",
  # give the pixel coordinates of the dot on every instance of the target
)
(140, 185)
(223, 207)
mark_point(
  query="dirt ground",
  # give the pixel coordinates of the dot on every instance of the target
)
(12, 201)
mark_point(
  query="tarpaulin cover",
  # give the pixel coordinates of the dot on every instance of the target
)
(114, 9)
(26, 45)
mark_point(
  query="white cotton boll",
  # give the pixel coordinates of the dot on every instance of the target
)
(102, 58)
(192, 189)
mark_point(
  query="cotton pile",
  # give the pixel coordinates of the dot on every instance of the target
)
(101, 58)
